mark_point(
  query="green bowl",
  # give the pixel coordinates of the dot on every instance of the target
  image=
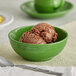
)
(37, 52)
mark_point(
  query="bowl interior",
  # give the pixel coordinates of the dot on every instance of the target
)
(17, 33)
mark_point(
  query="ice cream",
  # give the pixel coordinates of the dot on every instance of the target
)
(31, 38)
(42, 33)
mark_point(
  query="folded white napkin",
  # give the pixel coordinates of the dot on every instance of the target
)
(15, 71)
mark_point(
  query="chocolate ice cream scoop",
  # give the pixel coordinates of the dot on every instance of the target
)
(45, 31)
(31, 38)
(40, 34)
(42, 27)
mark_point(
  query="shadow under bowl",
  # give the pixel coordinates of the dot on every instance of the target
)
(37, 52)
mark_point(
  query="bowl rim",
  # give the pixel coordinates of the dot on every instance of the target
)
(37, 44)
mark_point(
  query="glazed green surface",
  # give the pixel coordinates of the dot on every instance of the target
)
(37, 52)
(48, 6)
(29, 8)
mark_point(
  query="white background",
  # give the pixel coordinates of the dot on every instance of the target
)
(22, 19)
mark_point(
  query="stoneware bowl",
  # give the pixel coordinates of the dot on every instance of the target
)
(37, 52)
